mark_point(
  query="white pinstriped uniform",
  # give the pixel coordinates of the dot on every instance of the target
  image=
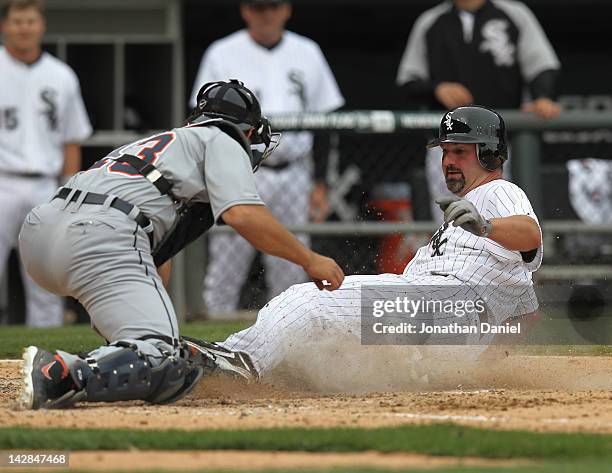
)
(454, 257)
(476, 260)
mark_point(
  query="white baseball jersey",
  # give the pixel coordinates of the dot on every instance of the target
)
(504, 275)
(41, 109)
(293, 76)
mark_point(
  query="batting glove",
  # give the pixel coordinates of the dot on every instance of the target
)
(463, 214)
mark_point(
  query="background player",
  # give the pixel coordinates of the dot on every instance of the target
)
(488, 246)
(108, 236)
(42, 120)
(490, 52)
(288, 73)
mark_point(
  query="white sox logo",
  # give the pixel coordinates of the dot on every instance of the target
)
(49, 97)
(298, 82)
(448, 122)
(497, 42)
(437, 243)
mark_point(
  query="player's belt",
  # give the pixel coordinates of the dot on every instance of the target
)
(276, 166)
(27, 175)
(99, 199)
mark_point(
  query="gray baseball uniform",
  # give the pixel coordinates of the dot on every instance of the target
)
(102, 256)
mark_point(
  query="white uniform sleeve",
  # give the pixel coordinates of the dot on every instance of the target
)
(413, 65)
(228, 175)
(76, 126)
(535, 53)
(505, 201)
(325, 94)
(208, 71)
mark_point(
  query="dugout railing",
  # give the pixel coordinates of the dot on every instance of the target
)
(368, 128)
(524, 130)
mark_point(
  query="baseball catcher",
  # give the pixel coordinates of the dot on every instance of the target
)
(107, 237)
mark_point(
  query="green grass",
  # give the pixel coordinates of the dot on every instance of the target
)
(79, 338)
(440, 439)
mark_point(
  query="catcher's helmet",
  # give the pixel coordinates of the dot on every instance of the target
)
(480, 125)
(232, 101)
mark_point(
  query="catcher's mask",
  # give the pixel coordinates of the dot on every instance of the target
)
(232, 101)
(479, 125)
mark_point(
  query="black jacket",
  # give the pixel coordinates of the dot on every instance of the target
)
(507, 52)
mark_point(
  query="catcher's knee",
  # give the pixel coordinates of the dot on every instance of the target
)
(127, 374)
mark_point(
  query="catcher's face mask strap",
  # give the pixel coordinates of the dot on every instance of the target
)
(261, 151)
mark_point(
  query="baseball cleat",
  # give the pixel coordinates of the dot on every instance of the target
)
(227, 362)
(44, 376)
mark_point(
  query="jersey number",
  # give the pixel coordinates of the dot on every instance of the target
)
(152, 149)
(8, 118)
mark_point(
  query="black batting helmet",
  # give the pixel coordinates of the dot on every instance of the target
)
(232, 101)
(479, 125)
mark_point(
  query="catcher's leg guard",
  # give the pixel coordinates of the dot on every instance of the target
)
(123, 374)
(128, 374)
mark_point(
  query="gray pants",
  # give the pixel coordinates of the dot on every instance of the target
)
(102, 258)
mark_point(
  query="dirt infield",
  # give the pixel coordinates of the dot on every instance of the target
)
(237, 460)
(535, 393)
(514, 392)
